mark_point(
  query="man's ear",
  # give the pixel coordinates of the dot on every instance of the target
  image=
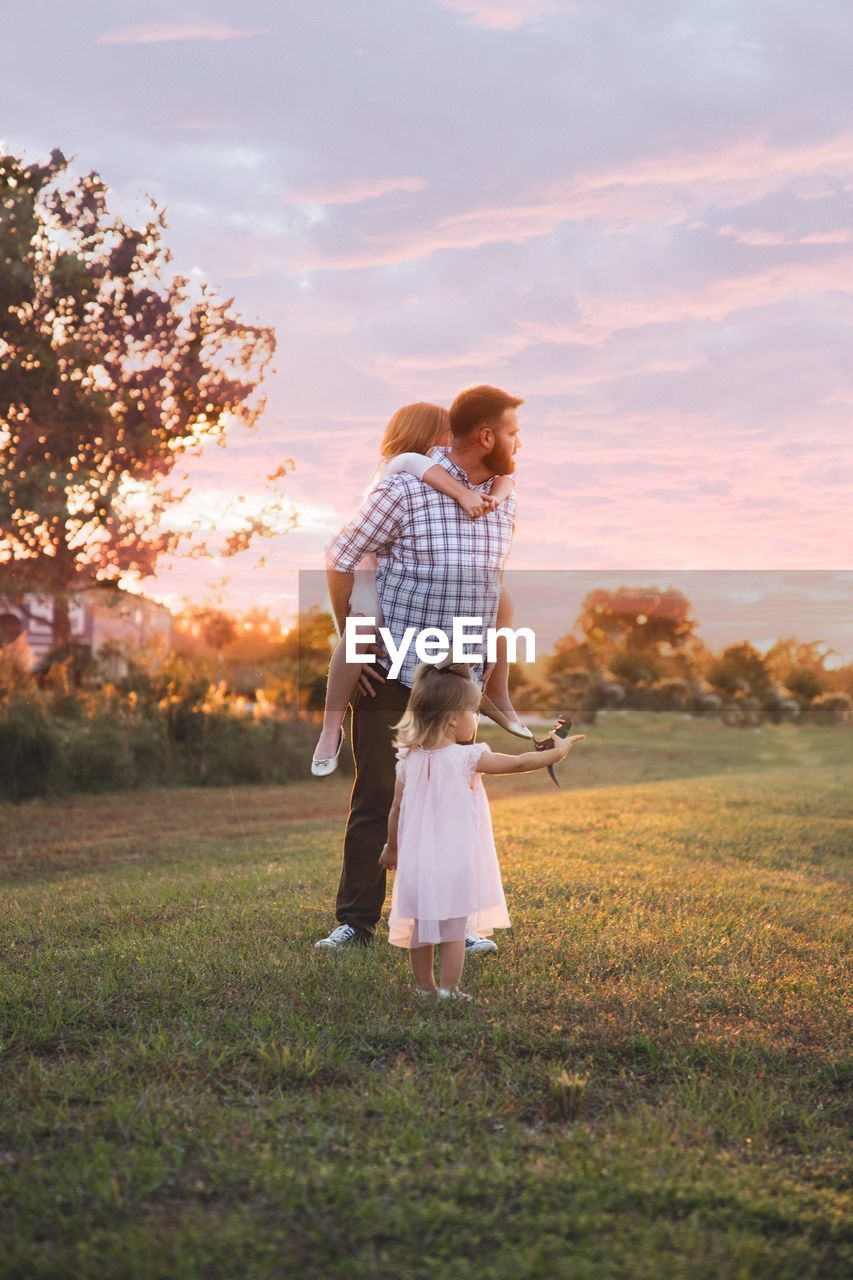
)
(487, 438)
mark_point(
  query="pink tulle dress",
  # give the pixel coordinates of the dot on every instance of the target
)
(448, 880)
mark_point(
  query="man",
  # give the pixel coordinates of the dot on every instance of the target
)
(434, 564)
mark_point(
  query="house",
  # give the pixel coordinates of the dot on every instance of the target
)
(100, 616)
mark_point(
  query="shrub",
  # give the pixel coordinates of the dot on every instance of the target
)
(610, 691)
(706, 703)
(31, 754)
(635, 666)
(805, 683)
(781, 707)
(670, 695)
(740, 669)
(98, 755)
(238, 750)
(574, 692)
(149, 750)
(640, 697)
(742, 712)
(832, 708)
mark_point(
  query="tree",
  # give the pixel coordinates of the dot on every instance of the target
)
(800, 667)
(110, 373)
(740, 669)
(636, 618)
(305, 652)
(219, 630)
(639, 633)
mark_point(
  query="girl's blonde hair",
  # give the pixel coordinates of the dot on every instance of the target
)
(416, 428)
(437, 694)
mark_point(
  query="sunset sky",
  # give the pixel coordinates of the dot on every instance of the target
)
(637, 216)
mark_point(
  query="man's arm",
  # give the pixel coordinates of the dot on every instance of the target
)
(374, 527)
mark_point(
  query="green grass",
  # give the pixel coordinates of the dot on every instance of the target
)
(651, 1083)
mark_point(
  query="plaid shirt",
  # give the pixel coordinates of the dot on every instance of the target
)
(434, 562)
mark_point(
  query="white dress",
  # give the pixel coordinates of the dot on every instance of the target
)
(448, 881)
(364, 598)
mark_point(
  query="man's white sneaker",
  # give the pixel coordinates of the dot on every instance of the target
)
(477, 946)
(346, 935)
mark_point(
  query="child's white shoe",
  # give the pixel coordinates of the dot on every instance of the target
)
(477, 946)
(453, 993)
(322, 768)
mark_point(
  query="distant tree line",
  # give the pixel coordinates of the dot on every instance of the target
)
(639, 647)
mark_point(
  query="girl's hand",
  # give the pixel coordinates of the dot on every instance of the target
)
(388, 859)
(564, 745)
(475, 504)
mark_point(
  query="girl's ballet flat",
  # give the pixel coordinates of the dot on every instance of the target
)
(322, 768)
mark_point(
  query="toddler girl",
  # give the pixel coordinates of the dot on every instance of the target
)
(439, 830)
(409, 436)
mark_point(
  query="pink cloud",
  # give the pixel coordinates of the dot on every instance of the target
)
(408, 371)
(723, 297)
(761, 238)
(655, 188)
(356, 192)
(502, 15)
(163, 32)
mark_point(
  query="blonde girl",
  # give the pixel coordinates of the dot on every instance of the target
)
(440, 840)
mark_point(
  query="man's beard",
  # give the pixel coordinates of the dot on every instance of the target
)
(500, 460)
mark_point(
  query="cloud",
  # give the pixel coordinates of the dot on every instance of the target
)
(723, 297)
(163, 32)
(355, 192)
(669, 188)
(502, 15)
(408, 371)
(770, 239)
(631, 223)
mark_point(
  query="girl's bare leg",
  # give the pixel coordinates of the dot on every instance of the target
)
(421, 959)
(497, 685)
(343, 677)
(451, 964)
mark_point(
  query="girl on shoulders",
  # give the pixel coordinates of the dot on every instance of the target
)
(410, 435)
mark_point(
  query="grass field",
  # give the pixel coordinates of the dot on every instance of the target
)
(651, 1082)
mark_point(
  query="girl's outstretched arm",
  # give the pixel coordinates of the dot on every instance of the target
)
(430, 472)
(496, 762)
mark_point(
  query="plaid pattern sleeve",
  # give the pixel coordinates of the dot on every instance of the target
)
(374, 527)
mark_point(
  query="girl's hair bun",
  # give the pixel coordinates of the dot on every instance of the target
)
(455, 668)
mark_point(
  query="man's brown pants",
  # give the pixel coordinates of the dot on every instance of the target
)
(361, 892)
